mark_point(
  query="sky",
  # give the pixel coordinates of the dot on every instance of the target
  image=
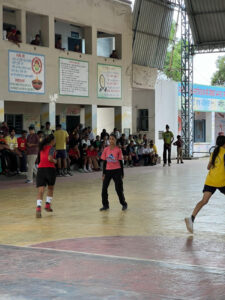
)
(204, 65)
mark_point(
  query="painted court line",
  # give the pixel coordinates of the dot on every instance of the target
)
(215, 270)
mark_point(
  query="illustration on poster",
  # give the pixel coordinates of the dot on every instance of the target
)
(102, 83)
(36, 68)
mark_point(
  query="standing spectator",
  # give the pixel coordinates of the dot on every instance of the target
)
(47, 130)
(62, 138)
(37, 40)
(145, 139)
(91, 135)
(40, 134)
(179, 144)
(22, 144)
(86, 140)
(168, 140)
(11, 141)
(4, 149)
(74, 140)
(5, 129)
(32, 152)
(117, 133)
(123, 140)
(103, 134)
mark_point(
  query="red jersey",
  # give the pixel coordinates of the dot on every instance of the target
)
(92, 153)
(21, 143)
(44, 162)
(2, 141)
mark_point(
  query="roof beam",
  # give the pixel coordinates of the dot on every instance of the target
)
(208, 13)
(193, 19)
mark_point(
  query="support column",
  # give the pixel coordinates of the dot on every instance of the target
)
(48, 111)
(91, 117)
(51, 32)
(210, 127)
(118, 118)
(127, 118)
(2, 111)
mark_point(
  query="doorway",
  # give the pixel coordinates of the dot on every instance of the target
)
(72, 122)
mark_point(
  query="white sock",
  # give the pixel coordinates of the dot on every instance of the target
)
(39, 202)
(48, 199)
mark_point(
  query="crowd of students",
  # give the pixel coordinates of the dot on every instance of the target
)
(80, 150)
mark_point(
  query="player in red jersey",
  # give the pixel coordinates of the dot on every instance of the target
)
(46, 175)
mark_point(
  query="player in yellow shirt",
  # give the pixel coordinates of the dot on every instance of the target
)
(61, 138)
(214, 180)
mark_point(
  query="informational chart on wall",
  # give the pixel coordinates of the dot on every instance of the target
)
(109, 81)
(207, 98)
(26, 72)
(73, 77)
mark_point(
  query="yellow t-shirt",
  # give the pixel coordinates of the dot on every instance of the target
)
(216, 175)
(12, 142)
(155, 149)
(60, 138)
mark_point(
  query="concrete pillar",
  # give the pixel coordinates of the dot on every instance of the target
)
(48, 112)
(118, 45)
(118, 118)
(45, 30)
(127, 118)
(91, 117)
(2, 111)
(88, 39)
(51, 24)
(21, 24)
(1, 20)
(210, 127)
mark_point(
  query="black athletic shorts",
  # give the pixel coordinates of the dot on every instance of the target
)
(212, 189)
(46, 176)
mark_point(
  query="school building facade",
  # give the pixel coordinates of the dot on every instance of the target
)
(67, 86)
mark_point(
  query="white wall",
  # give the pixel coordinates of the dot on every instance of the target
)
(166, 111)
(105, 119)
(144, 99)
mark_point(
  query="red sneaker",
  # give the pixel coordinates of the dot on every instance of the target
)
(38, 212)
(48, 207)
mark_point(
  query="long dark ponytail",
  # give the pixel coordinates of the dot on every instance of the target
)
(220, 141)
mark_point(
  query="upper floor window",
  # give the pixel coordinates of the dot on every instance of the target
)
(12, 25)
(109, 45)
(73, 37)
(37, 29)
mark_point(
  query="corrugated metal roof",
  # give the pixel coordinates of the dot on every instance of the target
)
(207, 21)
(152, 20)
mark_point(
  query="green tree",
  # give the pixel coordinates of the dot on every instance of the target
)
(172, 66)
(219, 76)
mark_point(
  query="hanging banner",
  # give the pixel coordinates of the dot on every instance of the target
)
(73, 77)
(206, 98)
(26, 72)
(109, 81)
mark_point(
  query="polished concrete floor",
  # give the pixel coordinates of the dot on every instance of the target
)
(77, 252)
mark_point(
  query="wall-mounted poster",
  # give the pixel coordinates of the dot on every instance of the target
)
(73, 77)
(26, 72)
(109, 81)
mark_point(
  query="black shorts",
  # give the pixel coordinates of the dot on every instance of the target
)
(46, 176)
(212, 189)
(61, 154)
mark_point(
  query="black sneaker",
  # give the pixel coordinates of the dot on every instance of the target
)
(103, 208)
(124, 207)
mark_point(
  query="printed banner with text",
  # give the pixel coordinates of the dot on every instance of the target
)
(26, 72)
(109, 81)
(73, 77)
